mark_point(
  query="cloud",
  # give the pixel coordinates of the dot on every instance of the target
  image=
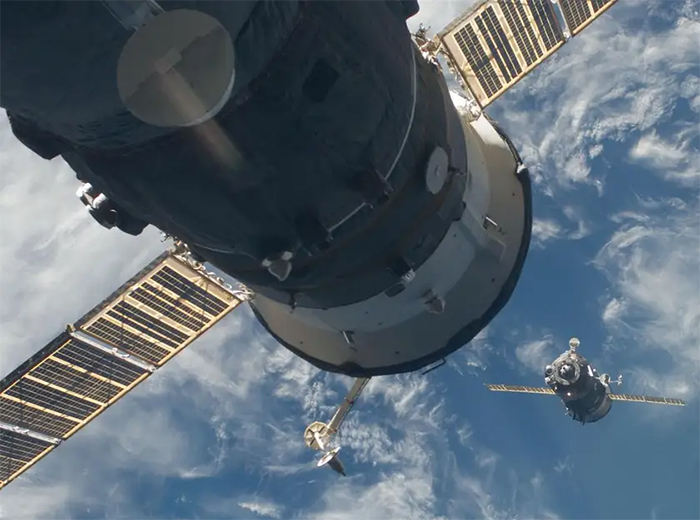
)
(564, 466)
(576, 216)
(526, 497)
(265, 509)
(659, 153)
(614, 310)
(602, 86)
(464, 433)
(629, 216)
(243, 507)
(690, 90)
(654, 274)
(675, 160)
(544, 230)
(595, 150)
(24, 502)
(536, 354)
(475, 355)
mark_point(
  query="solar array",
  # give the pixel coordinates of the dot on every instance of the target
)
(614, 397)
(579, 13)
(103, 356)
(647, 399)
(521, 389)
(497, 43)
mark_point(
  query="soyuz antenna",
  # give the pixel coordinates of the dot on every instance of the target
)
(340, 211)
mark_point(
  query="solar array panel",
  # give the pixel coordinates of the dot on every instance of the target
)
(497, 43)
(161, 314)
(109, 351)
(579, 13)
(647, 399)
(19, 451)
(521, 389)
(614, 397)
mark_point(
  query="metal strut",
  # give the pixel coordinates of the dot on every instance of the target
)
(347, 404)
(318, 435)
(434, 367)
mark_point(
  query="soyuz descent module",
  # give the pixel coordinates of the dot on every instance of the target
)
(309, 149)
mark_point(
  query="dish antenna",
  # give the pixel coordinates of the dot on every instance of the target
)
(318, 435)
(331, 458)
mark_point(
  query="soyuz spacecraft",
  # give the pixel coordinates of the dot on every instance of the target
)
(586, 395)
(311, 150)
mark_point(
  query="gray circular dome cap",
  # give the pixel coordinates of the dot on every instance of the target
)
(177, 70)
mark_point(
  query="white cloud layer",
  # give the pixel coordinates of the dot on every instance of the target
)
(544, 230)
(264, 509)
(602, 86)
(675, 158)
(654, 272)
(536, 354)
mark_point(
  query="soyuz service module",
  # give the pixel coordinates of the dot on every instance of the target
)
(311, 150)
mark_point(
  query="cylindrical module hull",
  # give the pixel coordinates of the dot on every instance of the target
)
(476, 270)
(379, 231)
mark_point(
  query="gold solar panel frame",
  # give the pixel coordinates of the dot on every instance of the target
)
(615, 397)
(518, 43)
(520, 389)
(525, 34)
(63, 341)
(31, 393)
(170, 345)
(647, 399)
(583, 12)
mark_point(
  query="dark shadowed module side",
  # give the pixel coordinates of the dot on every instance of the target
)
(379, 229)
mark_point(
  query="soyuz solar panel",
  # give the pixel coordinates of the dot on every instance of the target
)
(521, 389)
(614, 397)
(495, 44)
(117, 345)
(647, 399)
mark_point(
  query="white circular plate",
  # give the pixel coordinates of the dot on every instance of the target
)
(328, 457)
(436, 171)
(177, 70)
(319, 428)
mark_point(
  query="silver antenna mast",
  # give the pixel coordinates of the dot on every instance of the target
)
(318, 435)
